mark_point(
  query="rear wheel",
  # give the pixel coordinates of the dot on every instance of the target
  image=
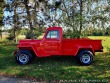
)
(85, 57)
(23, 57)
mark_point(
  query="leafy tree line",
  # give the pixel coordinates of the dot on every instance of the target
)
(67, 34)
(77, 17)
(96, 32)
(88, 32)
(23, 32)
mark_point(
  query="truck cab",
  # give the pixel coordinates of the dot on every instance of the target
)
(52, 41)
(54, 44)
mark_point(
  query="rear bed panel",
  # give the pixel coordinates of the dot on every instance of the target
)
(71, 46)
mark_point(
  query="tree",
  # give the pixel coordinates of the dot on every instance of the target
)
(29, 18)
(100, 14)
(15, 18)
(1, 16)
(72, 16)
(30, 11)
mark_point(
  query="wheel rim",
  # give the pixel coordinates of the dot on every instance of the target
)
(23, 58)
(85, 58)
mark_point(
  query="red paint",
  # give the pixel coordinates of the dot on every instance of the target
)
(59, 46)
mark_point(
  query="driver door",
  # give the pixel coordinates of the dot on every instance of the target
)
(52, 44)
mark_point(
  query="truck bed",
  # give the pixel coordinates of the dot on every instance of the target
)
(70, 46)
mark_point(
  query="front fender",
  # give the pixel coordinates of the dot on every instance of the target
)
(30, 48)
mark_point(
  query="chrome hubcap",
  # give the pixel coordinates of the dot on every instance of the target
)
(23, 58)
(85, 58)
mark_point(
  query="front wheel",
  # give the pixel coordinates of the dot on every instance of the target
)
(23, 57)
(85, 57)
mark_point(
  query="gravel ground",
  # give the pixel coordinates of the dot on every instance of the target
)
(4, 79)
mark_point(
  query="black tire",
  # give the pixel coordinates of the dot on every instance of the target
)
(23, 57)
(85, 57)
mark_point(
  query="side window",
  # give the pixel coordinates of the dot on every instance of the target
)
(52, 34)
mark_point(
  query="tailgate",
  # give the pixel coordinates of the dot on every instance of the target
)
(97, 45)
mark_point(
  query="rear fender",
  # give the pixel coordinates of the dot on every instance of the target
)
(85, 48)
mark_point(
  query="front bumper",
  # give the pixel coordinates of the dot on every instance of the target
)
(15, 52)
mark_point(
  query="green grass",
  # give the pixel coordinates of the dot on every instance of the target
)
(55, 68)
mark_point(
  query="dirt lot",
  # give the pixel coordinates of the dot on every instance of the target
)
(4, 79)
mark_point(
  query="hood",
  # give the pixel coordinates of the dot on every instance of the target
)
(29, 40)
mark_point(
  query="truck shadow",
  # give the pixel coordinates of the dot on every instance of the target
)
(57, 60)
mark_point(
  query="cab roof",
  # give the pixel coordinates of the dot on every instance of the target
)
(54, 28)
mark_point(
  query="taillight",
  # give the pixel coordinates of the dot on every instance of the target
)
(102, 47)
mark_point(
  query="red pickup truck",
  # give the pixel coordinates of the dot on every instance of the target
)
(54, 44)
